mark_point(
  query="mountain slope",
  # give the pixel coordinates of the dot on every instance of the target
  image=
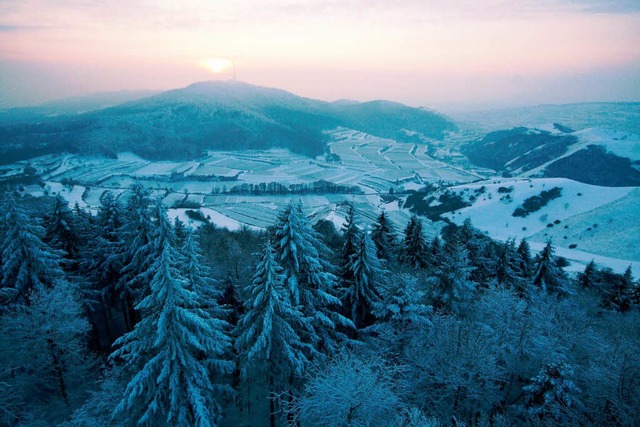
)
(592, 156)
(184, 123)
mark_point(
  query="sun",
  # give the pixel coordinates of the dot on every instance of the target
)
(217, 65)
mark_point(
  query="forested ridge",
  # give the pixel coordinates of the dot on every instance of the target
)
(128, 318)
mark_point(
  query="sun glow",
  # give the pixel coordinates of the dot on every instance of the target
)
(217, 65)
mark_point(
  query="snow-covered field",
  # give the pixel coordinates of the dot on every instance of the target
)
(585, 222)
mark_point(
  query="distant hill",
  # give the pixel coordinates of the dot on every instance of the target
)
(624, 116)
(592, 156)
(184, 123)
(71, 106)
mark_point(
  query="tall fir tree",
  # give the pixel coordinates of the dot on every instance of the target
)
(137, 253)
(547, 275)
(308, 277)
(587, 279)
(270, 333)
(196, 272)
(61, 233)
(451, 285)
(350, 235)
(525, 262)
(364, 291)
(28, 264)
(384, 236)
(174, 351)
(619, 294)
(507, 272)
(414, 253)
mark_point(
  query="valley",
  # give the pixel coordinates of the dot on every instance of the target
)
(240, 188)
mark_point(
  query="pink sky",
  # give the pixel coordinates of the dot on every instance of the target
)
(483, 53)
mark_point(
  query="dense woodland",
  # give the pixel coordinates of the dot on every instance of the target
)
(128, 318)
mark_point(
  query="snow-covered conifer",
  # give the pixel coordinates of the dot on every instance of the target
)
(384, 236)
(552, 395)
(451, 285)
(364, 292)
(415, 247)
(619, 295)
(547, 275)
(174, 351)
(270, 333)
(27, 262)
(308, 276)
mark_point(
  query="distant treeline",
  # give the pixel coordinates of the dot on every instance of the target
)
(275, 188)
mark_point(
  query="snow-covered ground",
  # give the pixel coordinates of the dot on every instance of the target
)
(597, 222)
(585, 222)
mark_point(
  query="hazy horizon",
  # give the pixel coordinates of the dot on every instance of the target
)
(446, 55)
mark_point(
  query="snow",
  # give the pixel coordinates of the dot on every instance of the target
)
(337, 220)
(128, 156)
(580, 259)
(620, 143)
(222, 220)
(615, 210)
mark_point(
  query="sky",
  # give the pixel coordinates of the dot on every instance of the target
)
(465, 54)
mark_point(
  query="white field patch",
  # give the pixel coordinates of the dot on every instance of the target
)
(586, 222)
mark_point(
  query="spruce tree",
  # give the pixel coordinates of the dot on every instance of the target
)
(552, 396)
(351, 235)
(363, 293)
(28, 264)
(620, 293)
(137, 253)
(61, 232)
(587, 279)
(524, 259)
(270, 333)
(547, 275)
(506, 272)
(308, 277)
(197, 273)
(174, 351)
(384, 236)
(452, 285)
(415, 247)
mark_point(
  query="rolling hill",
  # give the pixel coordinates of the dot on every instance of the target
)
(184, 123)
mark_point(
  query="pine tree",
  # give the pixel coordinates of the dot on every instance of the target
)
(548, 276)
(434, 253)
(620, 293)
(174, 351)
(197, 274)
(137, 254)
(229, 301)
(363, 293)
(452, 285)
(180, 230)
(28, 264)
(404, 303)
(552, 394)
(270, 334)
(415, 246)
(308, 277)
(61, 232)
(351, 235)
(524, 259)
(384, 236)
(506, 272)
(105, 259)
(587, 279)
